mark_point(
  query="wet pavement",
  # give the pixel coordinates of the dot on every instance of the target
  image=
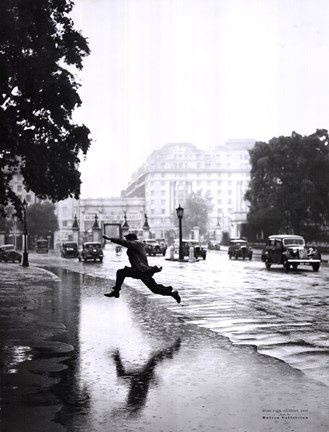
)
(283, 315)
(72, 360)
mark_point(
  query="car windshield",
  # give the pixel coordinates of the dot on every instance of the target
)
(70, 245)
(7, 248)
(92, 245)
(294, 241)
(241, 243)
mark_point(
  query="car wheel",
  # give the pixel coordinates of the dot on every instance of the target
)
(295, 266)
(286, 265)
(100, 259)
(230, 256)
(316, 267)
(79, 258)
(267, 263)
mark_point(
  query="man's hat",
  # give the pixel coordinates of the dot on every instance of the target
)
(131, 236)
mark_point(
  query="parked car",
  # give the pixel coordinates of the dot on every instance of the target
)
(213, 245)
(289, 251)
(239, 248)
(91, 251)
(198, 250)
(69, 250)
(42, 246)
(9, 253)
(154, 247)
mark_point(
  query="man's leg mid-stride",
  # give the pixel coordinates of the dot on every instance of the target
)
(161, 289)
(151, 284)
(120, 277)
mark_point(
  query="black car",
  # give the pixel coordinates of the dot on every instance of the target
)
(8, 253)
(199, 251)
(91, 251)
(154, 247)
(42, 246)
(239, 248)
(289, 251)
(69, 250)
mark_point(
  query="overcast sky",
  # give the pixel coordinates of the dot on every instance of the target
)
(197, 71)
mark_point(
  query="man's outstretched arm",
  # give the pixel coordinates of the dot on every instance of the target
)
(117, 240)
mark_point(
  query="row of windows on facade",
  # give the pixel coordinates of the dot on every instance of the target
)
(198, 165)
(164, 202)
(217, 192)
(215, 176)
(207, 159)
(243, 155)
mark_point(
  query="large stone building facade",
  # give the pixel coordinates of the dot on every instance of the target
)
(163, 182)
(170, 174)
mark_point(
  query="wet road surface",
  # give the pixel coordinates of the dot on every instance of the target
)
(139, 363)
(284, 315)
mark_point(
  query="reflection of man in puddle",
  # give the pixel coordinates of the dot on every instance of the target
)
(140, 379)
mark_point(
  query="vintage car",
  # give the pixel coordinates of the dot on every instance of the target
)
(154, 247)
(91, 251)
(289, 251)
(8, 253)
(239, 248)
(199, 251)
(69, 250)
(42, 246)
(213, 245)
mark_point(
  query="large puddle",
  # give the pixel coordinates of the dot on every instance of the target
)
(129, 364)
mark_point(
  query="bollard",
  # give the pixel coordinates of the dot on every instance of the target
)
(191, 254)
(172, 252)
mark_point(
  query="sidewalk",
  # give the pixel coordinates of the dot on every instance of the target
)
(194, 380)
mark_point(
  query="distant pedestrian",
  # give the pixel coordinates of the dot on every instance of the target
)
(140, 268)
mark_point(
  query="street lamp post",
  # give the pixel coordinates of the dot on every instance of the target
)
(25, 254)
(180, 214)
